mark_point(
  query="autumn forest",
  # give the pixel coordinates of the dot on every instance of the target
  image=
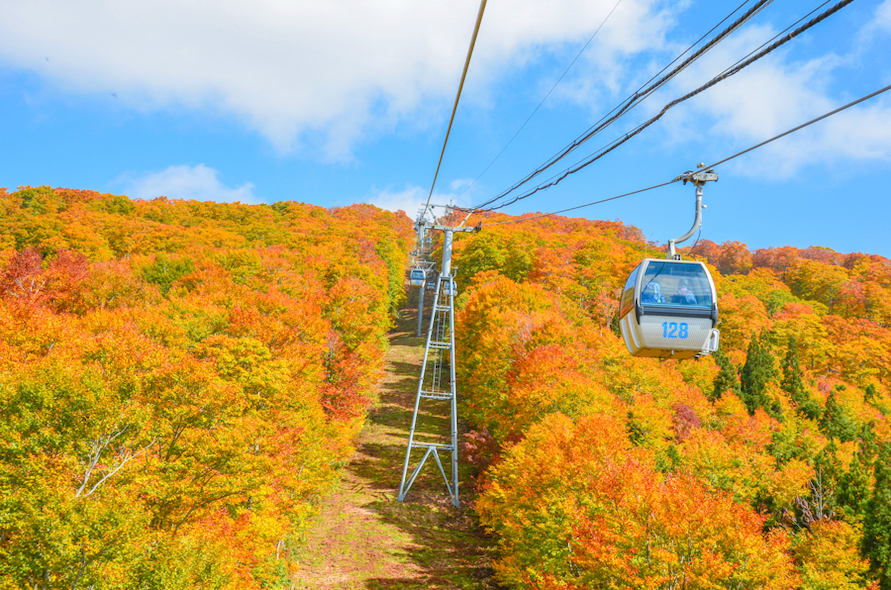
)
(182, 382)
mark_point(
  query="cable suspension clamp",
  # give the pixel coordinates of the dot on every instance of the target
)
(698, 179)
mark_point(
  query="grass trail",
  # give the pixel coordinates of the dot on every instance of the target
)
(363, 538)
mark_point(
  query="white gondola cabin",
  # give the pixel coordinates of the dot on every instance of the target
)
(417, 277)
(669, 309)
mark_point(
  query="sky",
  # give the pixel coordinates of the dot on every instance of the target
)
(347, 101)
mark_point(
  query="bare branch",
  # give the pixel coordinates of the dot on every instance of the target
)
(127, 457)
(97, 447)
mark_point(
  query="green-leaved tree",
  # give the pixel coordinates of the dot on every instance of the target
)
(758, 371)
(728, 377)
(793, 383)
(877, 524)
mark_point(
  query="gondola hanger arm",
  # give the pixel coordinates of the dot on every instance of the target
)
(698, 178)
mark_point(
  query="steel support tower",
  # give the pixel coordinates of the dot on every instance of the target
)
(421, 261)
(437, 381)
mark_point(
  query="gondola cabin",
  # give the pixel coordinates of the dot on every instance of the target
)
(449, 287)
(417, 277)
(669, 309)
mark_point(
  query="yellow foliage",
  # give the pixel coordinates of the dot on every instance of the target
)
(829, 557)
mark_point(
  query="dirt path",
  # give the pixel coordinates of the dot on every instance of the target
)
(362, 537)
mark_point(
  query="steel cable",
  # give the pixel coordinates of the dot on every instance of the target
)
(718, 163)
(529, 118)
(556, 179)
(635, 98)
(476, 30)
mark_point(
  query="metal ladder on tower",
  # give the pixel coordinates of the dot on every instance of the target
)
(437, 381)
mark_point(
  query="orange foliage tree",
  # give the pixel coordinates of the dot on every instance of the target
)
(180, 381)
(604, 470)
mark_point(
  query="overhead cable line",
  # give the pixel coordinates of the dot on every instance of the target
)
(560, 79)
(680, 55)
(802, 126)
(643, 190)
(718, 163)
(557, 178)
(778, 35)
(645, 91)
(476, 30)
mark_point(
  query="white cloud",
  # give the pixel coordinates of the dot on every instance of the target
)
(408, 200)
(883, 17)
(461, 185)
(859, 134)
(303, 74)
(198, 183)
(321, 76)
(413, 198)
(768, 98)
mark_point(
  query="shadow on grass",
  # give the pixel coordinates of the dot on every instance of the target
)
(450, 548)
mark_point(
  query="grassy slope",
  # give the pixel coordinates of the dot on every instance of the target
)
(362, 537)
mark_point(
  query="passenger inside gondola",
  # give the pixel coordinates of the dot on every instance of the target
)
(679, 284)
(685, 295)
(652, 293)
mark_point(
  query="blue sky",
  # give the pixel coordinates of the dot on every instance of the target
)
(348, 100)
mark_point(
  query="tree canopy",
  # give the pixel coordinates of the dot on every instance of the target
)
(180, 381)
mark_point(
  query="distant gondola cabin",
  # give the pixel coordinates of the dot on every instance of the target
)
(669, 309)
(417, 278)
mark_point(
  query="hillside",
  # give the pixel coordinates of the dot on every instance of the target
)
(763, 466)
(182, 382)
